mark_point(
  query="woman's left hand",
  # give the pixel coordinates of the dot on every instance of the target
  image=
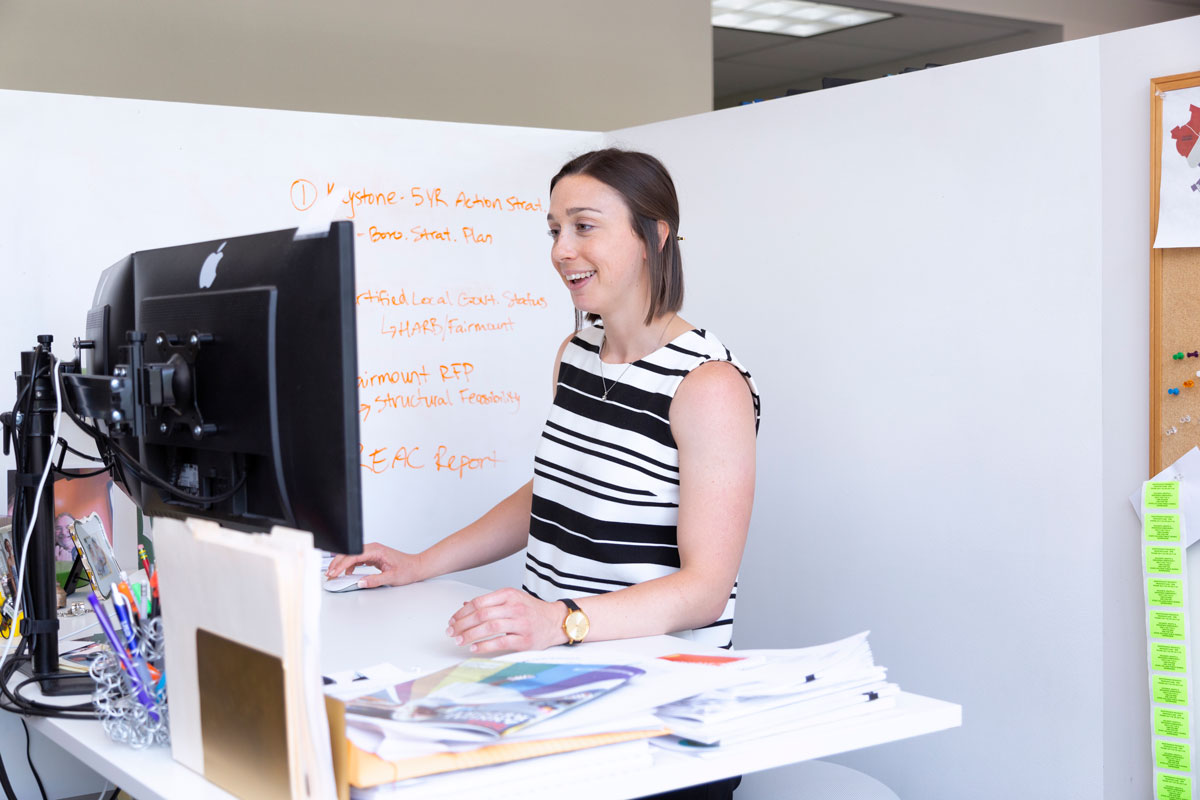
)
(506, 620)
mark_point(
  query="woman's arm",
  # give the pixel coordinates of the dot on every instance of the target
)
(712, 420)
(499, 533)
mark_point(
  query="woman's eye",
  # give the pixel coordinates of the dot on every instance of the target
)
(583, 227)
(552, 233)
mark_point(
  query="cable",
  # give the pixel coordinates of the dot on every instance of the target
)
(160, 483)
(27, 396)
(91, 474)
(9, 794)
(116, 458)
(11, 700)
(29, 758)
(63, 444)
(103, 791)
(36, 502)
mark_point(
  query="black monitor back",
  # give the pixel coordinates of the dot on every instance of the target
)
(268, 324)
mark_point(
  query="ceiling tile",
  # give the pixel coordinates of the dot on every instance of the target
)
(729, 42)
(730, 78)
(921, 34)
(813, 55)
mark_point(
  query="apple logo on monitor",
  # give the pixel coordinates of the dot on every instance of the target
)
(208, 272)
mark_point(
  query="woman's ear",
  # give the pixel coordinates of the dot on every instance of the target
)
(664, 230)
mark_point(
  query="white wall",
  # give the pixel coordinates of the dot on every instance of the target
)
(913, 270)
(1079, 18)
(539, 63)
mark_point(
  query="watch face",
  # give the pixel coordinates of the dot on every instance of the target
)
(576, 625)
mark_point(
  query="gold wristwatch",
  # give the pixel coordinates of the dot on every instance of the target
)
(576, 624)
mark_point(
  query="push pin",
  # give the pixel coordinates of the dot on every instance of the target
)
(1173, 391)
(1172, 430)
(1189, 384)
(1186, 418)
(1194, 354)
(1178, 356)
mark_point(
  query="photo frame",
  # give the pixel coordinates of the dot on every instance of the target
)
(93, 544)
(8, 567)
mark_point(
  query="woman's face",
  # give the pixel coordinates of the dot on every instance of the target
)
(596, 253)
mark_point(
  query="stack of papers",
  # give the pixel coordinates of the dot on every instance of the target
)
(777, 691)
(483, 712)
(76, 655)
(475, 702)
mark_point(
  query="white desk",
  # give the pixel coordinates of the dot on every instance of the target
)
(406, 626)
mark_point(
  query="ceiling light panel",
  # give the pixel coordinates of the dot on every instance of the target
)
(790, 17)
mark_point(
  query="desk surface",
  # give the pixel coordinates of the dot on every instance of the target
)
(406, 626)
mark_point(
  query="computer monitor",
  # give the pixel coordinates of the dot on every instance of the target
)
(227, 370)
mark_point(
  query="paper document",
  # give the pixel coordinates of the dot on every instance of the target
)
(485, 698)
(1186, 470)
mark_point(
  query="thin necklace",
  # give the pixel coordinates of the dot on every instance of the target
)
(600, 353)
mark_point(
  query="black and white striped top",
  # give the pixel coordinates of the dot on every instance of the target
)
(606, 474)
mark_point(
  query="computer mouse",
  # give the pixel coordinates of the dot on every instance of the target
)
(346, 583)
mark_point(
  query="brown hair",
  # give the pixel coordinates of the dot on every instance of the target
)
(649, 192)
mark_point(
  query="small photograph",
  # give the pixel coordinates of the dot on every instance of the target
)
(8, 570)
(98, 556)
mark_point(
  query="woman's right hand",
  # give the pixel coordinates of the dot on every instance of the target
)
(395, 567)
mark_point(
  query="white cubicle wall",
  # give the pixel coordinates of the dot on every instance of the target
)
(459, 312)
(939, 281)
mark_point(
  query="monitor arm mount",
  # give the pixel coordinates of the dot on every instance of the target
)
(142, 396)
(137, 396)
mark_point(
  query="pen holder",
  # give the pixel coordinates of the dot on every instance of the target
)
(136, 719)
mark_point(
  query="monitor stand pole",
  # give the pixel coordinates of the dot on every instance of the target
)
(40, 623)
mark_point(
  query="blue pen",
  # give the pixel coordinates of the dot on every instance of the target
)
(119, 649)
(125, 617)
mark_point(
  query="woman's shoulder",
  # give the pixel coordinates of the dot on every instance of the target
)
(700, 345)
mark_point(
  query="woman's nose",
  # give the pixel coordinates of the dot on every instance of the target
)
(562, 250)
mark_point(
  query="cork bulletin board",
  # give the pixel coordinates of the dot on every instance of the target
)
(1174, 312)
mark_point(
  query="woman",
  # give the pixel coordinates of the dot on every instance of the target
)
(637, 514)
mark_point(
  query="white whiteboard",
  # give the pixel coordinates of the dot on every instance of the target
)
(459, 312)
